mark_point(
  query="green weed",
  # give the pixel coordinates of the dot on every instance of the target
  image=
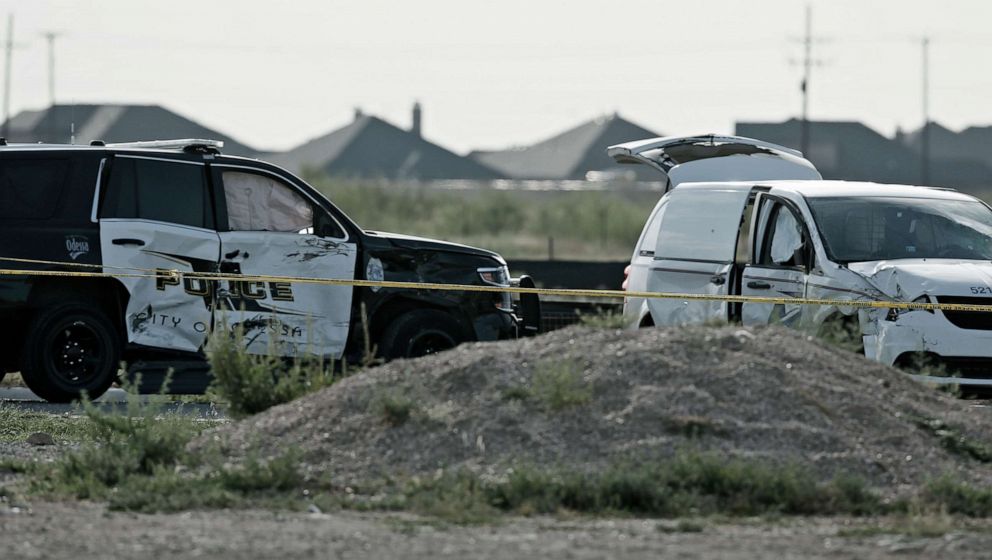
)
(559, 385)
(951, 496)
(17, 424)
(603, 320)
(248, 384)
(954, 441)
(690, 484)
(395, 408)
(135, 441)
(256, 482)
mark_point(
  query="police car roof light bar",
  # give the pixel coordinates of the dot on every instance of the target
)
(183, 144)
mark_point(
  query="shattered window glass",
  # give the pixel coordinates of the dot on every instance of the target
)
(884, 228)
(259, 203)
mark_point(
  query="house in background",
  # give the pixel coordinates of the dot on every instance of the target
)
(371, 148)
(112, 123)
(853, 151)
(959, 159)
(571, 154)
(842, 149)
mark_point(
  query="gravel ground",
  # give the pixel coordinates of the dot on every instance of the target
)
(768, 393)
(82, 531)
(765, 393)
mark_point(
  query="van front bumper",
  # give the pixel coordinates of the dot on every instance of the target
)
(966, 353)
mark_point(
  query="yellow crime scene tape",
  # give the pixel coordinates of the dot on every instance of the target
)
(135, 272)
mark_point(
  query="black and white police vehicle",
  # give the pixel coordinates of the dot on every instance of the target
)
(182, 205)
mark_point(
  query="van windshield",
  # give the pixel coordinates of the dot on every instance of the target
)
(883, 228)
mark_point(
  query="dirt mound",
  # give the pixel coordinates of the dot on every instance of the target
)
(585, 398)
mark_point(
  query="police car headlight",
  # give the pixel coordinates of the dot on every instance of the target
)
(497, 276)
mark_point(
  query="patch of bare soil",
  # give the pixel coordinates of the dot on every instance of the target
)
(80, 531)
(769, 393)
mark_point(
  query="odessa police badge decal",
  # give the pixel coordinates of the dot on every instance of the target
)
(373, 272)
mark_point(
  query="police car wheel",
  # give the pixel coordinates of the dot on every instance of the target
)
(419, 333)
(69, 349)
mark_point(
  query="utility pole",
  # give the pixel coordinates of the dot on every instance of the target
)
(925, 131)
(53, 133)
(6, 76)
(50, 36)
(807, 63)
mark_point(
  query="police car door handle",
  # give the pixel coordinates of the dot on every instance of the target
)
(128, 241)
(758, 285)
(233, 254)
(718, 279)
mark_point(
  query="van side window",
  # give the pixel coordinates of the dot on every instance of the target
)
(785, 244)
(743, 257)
(260, 203)
(30, 188)
(650, 237)
(701, 224)
(158, 190)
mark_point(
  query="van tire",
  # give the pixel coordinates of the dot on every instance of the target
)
(421, 332)
(69, 349)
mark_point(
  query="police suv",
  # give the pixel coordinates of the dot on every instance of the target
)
(141, 209)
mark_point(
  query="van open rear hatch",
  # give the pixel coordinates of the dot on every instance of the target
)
(713, 158)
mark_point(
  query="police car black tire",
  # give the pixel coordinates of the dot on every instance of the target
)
(68, 349)
(421, 332)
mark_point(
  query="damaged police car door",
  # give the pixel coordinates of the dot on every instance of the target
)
(268, 227)
(157, 214)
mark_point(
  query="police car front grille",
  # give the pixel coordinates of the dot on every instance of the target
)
(968, 319)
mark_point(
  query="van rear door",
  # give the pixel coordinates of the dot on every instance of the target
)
(695, 251)
(714, 158)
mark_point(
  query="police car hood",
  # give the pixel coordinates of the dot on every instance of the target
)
(908, 279)
(427, 244)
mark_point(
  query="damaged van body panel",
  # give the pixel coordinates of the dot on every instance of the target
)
(958, 334)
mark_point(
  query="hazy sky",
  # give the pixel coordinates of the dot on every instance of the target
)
(507, 72)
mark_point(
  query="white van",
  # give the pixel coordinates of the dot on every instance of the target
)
(833, 240)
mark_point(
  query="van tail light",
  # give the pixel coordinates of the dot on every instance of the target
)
(626, 278)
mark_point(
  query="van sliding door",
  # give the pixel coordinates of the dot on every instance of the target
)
(695, 252)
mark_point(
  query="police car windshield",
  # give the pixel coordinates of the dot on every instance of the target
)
(884, 228)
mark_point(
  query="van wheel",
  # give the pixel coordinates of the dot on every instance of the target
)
(418, 333)
(69, 349)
